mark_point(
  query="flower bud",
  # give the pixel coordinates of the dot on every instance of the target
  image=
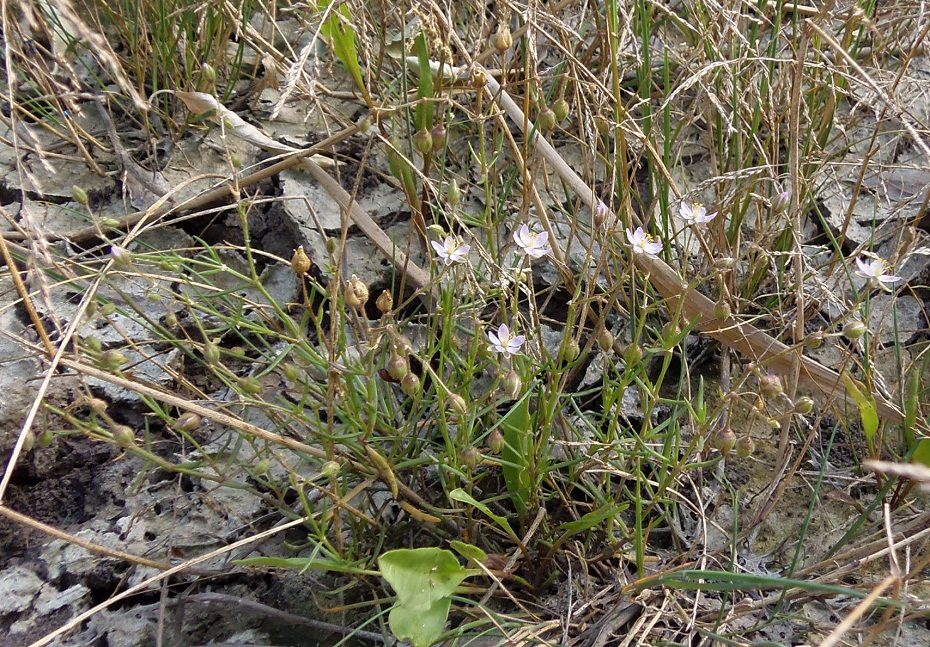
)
(330, 469)
(633, 355)
(770, 386)
(45, 438)
(496, 441)
(423, 141)
(398, 367)
(300, 262)
(453, 193)
(471, 456)
(814, 340)
(439, 137)
(502, 40)
(605, 340)
(123, 435)
(251, 385)
(724, 440)
(411, 385)
(781, 202)
(171, 321)
(571, 351)
(456, 404)
(290, 371)
(854, 329)
(357, 292)
(207, 72)
(560, 109)
(512, 384)
(262, 467)
(745, 446)
(187, 421)
(546, 120)
(211, 353)
(722, 310)
(804, 405)
(385, 302)
(97, 405)
(92, 344)
(119, 255)
(112, 359)
(108, 309)
(29, 441)
(79, 195)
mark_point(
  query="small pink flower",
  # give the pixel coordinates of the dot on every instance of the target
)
(695, 214)
(643, 243)
(532, 244)
(876, 271)
(504, 341)
(451, 250)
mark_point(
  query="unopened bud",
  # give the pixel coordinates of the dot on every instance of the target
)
(814, 340)
(471, 456)
(251, 385)
(781, 202)
(439, 137)
(330, 469)
(724, 440)
(496, 441)
(770, 386)
(722, 310)
(605, 340)
(633, 355)
(512, 384)
(123, 435)
(207, 72)
(453, 193)
(211, 353)
(385, 302)
(456, 404)
(300, 262)
(423, 141)
(187, 421)
(745, 446)
(502, 40)
(804, 406)
(410, 384)
(79, 195)
(571, 351)
(290, 371)
(398, 367)
(262, 467)
(119, 255)
(854, 329)
(356, 293)
(546, 120)
(112, 359)
(560, 109)
(45, 438)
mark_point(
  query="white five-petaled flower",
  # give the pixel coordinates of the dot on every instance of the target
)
(643, 243)
(532, 244)
(504, 341)
(876, 271)
(451, 250)
(695, 214)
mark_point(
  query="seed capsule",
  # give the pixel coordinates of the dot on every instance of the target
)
(300, 262)
(745, 447)
(502, 40)
(724, 440)
(496, 441)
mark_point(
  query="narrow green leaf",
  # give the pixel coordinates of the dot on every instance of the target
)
(339, 31)
(462, 496)
(867, 409)
(516, 454)
(425, 90)
(303, 564)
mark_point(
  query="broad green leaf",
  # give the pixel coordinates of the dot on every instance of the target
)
(462, 496)
(921, 455)
(516, 455)
(339, 31)
(867, 409)
(468, 551)
(421, 627)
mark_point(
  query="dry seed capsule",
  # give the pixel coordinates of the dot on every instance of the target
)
(385, 302)
(300, 262)
(502, 40)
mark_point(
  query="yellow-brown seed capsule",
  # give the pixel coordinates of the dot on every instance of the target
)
(724, 440)
(300, 262)
(496, 441)
(123, 435)
(356, 293)
(456, 404)
(385, 302)
(502, 39)
(187, 421)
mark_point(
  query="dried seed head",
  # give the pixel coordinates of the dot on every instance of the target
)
(502, 39)
(356, 292)
(300, 262)
(385, 302)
